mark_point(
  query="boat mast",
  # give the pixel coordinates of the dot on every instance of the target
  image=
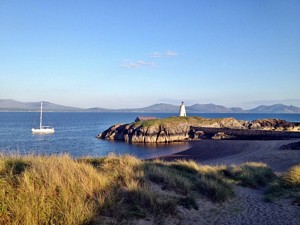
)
(41, 115)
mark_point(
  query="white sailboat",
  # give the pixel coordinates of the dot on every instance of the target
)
(42, 129)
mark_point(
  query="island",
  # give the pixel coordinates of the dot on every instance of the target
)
(178, 129)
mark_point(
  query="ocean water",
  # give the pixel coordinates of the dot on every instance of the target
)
(75, 133)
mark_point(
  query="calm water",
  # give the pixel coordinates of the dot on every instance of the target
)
(75, 133)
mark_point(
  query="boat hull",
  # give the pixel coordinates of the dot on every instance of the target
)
(43, 131)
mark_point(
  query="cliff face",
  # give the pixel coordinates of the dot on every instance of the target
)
(176, 129)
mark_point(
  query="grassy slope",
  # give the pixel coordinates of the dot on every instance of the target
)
(176, 120)
(62, 190)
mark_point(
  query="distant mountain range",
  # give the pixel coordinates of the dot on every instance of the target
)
(12, 105)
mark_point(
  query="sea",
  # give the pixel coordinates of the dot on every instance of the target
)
(75, 133)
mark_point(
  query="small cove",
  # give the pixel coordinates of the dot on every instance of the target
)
(75, 133)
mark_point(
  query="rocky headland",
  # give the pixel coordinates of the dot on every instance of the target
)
(176, 129)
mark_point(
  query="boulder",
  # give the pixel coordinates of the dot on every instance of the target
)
(222, 136)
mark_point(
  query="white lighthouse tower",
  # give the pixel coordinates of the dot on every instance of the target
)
(182, 111)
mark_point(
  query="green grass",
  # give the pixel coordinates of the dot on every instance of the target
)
(188, 177)
(287, 185)
(62, 190)
(176, 120)
(250, 174)
(292, 177)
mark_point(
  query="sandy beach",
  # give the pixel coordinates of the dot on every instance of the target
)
(248, 206)
(229, 152)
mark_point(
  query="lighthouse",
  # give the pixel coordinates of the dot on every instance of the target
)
(182, 111)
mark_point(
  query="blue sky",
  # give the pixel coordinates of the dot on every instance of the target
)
(128, 53)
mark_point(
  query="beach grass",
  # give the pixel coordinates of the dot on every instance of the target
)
(287, 185)
(188, 177)
(58, 189)
(250, 174)
(292, 177)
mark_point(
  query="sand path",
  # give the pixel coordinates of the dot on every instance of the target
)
(246, 208)
(250, 208)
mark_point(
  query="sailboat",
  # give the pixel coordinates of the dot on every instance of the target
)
(42, 129)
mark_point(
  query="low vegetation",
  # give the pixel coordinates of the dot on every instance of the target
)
(250, 174)
(176, 120)
(287, 185)
(189, 179)
(62, 190)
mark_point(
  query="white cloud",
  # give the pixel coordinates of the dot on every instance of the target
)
(138, 64)
(169, 53)
(147, 64)
(156, 55)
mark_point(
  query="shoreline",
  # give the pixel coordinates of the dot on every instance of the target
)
(214, 152)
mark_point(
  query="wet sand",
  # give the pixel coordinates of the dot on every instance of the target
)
(228, 152)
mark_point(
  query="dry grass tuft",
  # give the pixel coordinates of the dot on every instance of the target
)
(62, 190)
(286, 185)
(55, 190)
(250, 174)
(188, 178)
(292, 177)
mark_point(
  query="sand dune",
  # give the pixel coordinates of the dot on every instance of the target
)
(248, 207)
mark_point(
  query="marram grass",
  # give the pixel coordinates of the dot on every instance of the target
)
(250, 174)
(63, 190)
(292, 177)
(287, 185)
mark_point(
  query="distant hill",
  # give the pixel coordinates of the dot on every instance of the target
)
(204, 108)
(12, 105)
(277, 108)
(98, 109)
(212, 108)
(161, 107)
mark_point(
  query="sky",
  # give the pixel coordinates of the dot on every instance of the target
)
(134, 53)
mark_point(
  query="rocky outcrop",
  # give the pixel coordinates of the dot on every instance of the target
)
(175, 129)
(274, 124)
(152, 134)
